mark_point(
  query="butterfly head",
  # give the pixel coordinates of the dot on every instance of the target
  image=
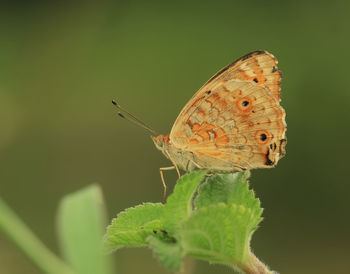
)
(160, 141)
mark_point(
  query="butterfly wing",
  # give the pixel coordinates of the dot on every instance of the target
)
(259, 67)
(235, 122)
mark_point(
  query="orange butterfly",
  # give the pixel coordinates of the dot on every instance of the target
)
(233, 123)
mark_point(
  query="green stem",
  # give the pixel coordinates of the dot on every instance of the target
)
(31, 246)
(257, 267)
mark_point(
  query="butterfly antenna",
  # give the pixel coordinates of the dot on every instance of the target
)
(132, 118)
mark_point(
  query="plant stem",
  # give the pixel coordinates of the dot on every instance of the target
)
(30, 245)
(257, 267)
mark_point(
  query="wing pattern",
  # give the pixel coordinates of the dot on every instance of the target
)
(235, 121)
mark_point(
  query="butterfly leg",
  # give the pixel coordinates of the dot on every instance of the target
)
(175, 165)
(202, 168)
(198, 166)
(162, 177)
(178, 171)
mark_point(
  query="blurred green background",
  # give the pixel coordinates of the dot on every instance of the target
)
(61, 64)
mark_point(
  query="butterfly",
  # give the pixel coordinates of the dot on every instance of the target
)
(234, 122)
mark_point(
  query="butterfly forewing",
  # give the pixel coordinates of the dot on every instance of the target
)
(258, 66)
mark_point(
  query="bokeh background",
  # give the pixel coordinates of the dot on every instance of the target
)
(62, 63)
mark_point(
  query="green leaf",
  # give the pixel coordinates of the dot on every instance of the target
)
(81, 222)
(179, 205)
(229, 188)
(216, 226)
(168, 253)
(220, 233)
(133, 226)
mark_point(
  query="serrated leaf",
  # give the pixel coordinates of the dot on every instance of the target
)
(216, 227)
(169, 254)
(133, 226)
(179, 204)
(229, 188)
(81, 222)
(220, 233)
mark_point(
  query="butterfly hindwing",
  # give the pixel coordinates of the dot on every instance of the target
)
(233, 121)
